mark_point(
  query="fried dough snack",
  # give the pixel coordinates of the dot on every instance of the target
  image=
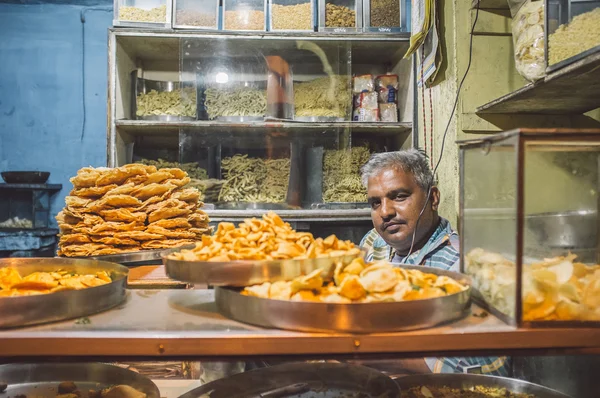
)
(358, 282)
(13, 284)
(267, 239)
(129, 208)
(556, 288)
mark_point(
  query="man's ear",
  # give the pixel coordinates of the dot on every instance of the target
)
(435, 198)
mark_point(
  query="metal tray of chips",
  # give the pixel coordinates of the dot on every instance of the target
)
(43, 308)
(302, 380)
(249, 272)
(310, 316)
(472, 380)
(42, 380)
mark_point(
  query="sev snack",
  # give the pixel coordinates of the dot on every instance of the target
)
(325, 96)
(553, 289)
(269, 238)
(13, 284)
(254, 179)
(358, 282)
(130, 208)
(341, 175)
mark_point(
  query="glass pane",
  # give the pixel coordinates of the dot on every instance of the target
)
(571, 27)
(560, 242)
(490, 224)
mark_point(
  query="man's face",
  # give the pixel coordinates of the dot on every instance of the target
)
(396, 201)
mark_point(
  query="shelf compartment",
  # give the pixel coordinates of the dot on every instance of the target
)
(185, 323)
(572, 89)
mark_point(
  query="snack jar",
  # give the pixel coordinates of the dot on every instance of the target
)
(340, 16)
(292, 15)
(529, 225)
(244, 15)
(142, 13)
(384, 16)
(572, 31)
(196, 14)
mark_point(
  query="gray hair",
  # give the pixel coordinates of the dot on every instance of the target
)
(411, 161)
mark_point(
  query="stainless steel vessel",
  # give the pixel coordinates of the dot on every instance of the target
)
(460, 380)
(248, 272)
(52, 307)
(302, 380)
(351, 318)
(41, 380)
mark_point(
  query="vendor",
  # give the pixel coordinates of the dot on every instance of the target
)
(408, 230)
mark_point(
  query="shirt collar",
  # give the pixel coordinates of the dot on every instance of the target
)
(439, 237)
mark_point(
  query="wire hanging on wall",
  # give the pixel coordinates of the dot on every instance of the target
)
(446, 130)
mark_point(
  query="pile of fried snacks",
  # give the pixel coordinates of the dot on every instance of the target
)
(129, 208)
(269, 238)
(13, 284)
(358, 282)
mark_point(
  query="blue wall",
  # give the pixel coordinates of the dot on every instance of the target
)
(41, 92)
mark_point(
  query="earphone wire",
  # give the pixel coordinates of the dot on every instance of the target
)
(432, 183)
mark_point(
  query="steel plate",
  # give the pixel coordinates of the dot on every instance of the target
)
(41, 380)
(460, 380)
(302, 380)
(346, 318)
(142, 256)
(319, 119)
(248, 272)
(240, 119)
(52, 307)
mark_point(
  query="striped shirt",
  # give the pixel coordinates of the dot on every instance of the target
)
(441, 251)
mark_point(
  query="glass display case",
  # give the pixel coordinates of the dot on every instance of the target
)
(196, 14)
(163, 100)
(340, 16)
(529, 224)
(292, 15)
(384, 16)
(572, 30)
(244, 15)
(142, 13)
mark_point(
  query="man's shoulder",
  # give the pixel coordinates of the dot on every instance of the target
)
(375, 246)
(371, 239)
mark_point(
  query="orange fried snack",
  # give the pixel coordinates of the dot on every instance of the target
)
(269, 238)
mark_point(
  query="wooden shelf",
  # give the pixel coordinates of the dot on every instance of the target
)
(185, 323)
(572, 89)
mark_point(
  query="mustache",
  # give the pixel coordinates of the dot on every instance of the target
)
(385, 225)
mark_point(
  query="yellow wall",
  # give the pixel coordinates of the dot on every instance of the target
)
(492, 75)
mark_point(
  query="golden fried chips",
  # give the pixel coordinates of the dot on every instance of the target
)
(267, 239)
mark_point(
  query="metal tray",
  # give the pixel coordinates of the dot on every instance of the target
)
(52, 307)
(252, 206)
(142, 256)
(248, 272)
(167, 118)
(319, 119)
(461, 380)
(41, 380)
(240, 119)
(302, 380)
(346, 318)
(340, 205)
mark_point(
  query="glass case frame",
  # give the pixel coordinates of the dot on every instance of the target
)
(214, 27)
(517, 141)
(117, 4)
